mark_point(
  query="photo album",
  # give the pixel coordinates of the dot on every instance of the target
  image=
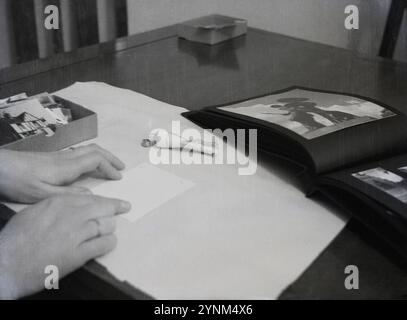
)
(349, 148)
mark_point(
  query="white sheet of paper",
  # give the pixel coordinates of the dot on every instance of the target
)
(146, 187)
(228, 237)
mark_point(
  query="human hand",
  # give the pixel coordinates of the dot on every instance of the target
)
(29, 177)
(65, 231)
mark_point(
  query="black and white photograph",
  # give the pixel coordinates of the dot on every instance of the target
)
(202, 157)
(311, 114)
(385, 181)
(403, 169)
(22, 116)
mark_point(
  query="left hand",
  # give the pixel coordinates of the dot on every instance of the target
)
(29, 177)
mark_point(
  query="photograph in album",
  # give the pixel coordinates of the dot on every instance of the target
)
(311, 114)
(385, 181)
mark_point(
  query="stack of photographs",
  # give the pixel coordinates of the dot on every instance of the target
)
(22, 116)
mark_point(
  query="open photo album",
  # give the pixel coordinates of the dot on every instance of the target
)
(351, 149)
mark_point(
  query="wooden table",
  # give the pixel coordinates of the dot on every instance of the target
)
(191, 75)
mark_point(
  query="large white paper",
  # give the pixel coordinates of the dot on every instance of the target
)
(146, 187)
(228, 237)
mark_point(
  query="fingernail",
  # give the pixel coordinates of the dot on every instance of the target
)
(125, 205)
(87, 191)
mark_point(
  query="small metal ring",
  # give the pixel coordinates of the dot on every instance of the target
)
(147, 143)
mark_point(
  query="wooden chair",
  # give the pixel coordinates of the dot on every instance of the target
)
(83, 23)
(392, 29)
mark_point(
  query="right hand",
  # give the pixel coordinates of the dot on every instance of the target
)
(29, 177)
(59, 231)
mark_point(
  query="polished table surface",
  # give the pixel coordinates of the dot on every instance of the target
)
(193, 76)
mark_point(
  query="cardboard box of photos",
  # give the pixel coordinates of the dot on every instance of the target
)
(212, 29)
(84, 126)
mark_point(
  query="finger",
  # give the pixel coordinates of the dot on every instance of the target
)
(51, 190)
(97, 247)
(107, 207)
(98, 228)
(91, 162)
(108, 171)
(112, 159)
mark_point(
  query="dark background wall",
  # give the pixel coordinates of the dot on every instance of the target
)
(84, 22)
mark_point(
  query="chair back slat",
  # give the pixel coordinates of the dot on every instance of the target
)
(82, 23)
(392, 29)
